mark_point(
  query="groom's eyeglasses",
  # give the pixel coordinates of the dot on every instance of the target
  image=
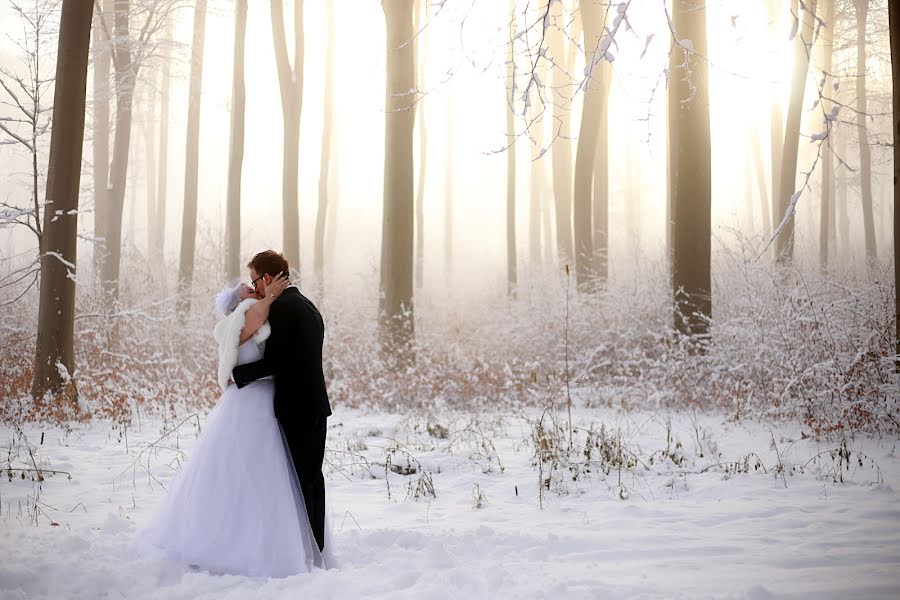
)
(253, 283)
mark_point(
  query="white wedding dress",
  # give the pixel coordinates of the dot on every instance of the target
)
(236, 506)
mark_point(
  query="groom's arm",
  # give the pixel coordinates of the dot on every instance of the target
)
(268, 364)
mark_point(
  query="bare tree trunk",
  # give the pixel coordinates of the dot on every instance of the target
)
(150, 148)
(748, 193)
(125, 76)
(786, 200)
(885, 218)
(511, 260)
(561, 148)
(325, 162)
(692, 174)
(764, 207)
(547, 217)
(826, 47)
(54, 359)
(448, 193)
(894, 28)
(331, 219)
(633, 195)
(776, 126)
(538, 176)
(670, 182)
(865, 152)
(192, 160)
(236, 147)
(535, 198)
(291, 85)
(601, 181)
(592, 22)
(131, 198)
(163, 163)
(101, 52)
(396, 307)
(421, 57)
(841, 208)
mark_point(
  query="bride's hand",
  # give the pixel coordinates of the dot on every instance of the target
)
(277, 286)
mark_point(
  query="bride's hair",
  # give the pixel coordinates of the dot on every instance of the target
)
(228, 299)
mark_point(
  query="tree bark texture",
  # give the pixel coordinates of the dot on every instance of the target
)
(325, 162)
(291, 86)
(396, 306)
(894, 26)
(100, 141)
(592, 22)
(236, 146)
(509, 101)
(690, 150)
(865, 151)
(826, 208)
(54, 361)
(192, 160)
(786, 200)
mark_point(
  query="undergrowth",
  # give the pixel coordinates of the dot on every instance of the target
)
(785, 345)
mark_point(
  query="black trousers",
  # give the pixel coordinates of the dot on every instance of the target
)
(306, 441)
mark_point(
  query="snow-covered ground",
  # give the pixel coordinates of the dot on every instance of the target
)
(689, 526)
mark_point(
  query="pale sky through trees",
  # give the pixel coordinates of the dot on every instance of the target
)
(581, 279)
(743, 65)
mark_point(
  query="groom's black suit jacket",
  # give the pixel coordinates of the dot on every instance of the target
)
(294, 356)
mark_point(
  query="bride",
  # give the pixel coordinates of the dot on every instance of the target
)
(236, 506)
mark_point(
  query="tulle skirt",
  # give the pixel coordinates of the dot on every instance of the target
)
(236, 506)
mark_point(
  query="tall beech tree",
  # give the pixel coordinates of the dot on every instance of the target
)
(601, 179)
(691, 172)
(633, 193)
(786, 199)
(290, 81)
(113, 206)
(129, 52)
(509, 101)
(162, 171)
(421, 17)
(449, 191)
(776, 116)
(149, 131)
(865, 151)
(54, 359)
(327, 134)
(894, 27)
(561, 148)
(100, 138)
(396, 307)
(842, 213)
(192, 158)
(236, 146)
(765, 207)
(592, 14)
(826, 60)
(537, 189)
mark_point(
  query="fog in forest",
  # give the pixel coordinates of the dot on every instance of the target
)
(567, 187)
(608, 281)
(463, 110)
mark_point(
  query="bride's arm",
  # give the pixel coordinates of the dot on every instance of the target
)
(258, 313)
(255, 316)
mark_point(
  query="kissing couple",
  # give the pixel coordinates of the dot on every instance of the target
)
(250, 498)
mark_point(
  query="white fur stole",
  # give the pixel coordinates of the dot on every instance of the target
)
(228, 334)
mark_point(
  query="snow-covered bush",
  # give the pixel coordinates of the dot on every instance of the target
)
(785, 344)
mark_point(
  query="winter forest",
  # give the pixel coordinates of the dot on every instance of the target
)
(608, 289)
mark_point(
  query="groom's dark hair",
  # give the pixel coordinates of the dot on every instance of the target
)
(269, 262)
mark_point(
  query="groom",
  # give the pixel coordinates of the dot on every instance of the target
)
(294, 356)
